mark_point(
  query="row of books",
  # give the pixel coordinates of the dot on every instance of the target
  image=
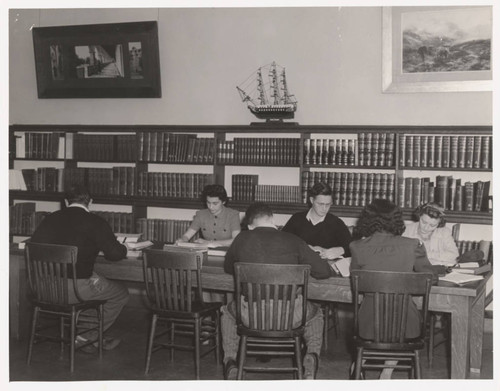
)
(445, 151)
(175, 148)
(172, 184)
(24, 219)
(261, 151)
(331, 152)
(37, 145)
(162, 230)
(104, 147)
(376, 149)
(445, 191)
(278, 194)
(351, 188)
(243, 187)
(486, 246)
(119, 221)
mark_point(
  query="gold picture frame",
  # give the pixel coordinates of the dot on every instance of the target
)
(396, 76)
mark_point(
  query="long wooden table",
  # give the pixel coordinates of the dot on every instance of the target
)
(466, 304)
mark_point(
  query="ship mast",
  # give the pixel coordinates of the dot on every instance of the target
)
(274, 84)
(288, 99)
(260, 88)
(245, 97)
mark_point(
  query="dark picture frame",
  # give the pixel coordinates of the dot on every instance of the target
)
(114, 60)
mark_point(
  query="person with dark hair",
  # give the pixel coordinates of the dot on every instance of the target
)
(74, 225)
(218, 224)
(430, 228)
(264, 243)
(322, 231)
(382, 248)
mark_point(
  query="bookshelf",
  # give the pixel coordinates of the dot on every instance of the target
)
(153, 166)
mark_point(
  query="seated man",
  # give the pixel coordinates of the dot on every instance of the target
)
(76, 226)
(263, 243)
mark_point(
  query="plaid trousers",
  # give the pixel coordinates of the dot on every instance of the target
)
(313, 333)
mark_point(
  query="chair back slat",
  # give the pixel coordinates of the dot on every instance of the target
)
(391, 294)
(49, 266)
(173, 279)
(270, 292)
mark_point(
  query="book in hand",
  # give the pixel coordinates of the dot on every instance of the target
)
(460, 278)
(341, 265)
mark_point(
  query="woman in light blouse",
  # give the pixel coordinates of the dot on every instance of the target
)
(430, 228)
(218, 224)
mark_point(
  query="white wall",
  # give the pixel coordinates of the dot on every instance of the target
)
(333, 58)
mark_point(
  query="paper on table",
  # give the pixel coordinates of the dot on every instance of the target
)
(343, 266)
(460, 278)
(467, 265)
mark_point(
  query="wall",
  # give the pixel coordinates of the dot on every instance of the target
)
(332, 56)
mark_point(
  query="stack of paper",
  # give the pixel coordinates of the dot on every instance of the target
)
(342, 265)
(460, 278)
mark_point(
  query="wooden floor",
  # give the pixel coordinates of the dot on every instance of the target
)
(126, 362)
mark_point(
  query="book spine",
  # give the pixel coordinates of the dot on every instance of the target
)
(360, 149)
(469, 196)
(446, 152)
(423, 151)
(453, 151)
(416, 151)
(389, 154)
(409, 151)
(431, 151)
(438, 151)
(485, 151)
(476, 153)
(469, 151)
(401, 150)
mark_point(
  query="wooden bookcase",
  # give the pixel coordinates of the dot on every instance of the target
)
(139, 204)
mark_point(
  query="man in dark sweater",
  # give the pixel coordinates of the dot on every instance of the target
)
(263, 243)
(76, 226)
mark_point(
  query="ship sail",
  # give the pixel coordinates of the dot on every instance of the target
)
(268, 99)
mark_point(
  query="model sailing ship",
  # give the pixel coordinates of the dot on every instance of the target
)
(268, 100)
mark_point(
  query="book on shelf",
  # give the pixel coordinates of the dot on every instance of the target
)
(460, 278)
(476, 152)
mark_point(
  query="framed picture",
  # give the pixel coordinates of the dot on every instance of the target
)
(119, 60)
(436, 49)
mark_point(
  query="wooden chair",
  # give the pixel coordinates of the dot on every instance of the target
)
(265, 329)
(392, 293)
(51, 271)
(174, 288)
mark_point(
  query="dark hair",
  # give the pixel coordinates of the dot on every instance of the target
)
(433, 210)
(77, 193)
(214, 191)
(319, 188)
(256, 210)
(379, 216)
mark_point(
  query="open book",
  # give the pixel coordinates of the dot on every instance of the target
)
(460, 278)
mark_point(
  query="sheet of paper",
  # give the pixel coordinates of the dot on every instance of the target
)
(460, 278)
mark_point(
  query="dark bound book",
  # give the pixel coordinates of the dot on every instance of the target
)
(361, 149)
(485, 151)
(476, 153)
(401, 150)
(409, 151)
(438, 151)
(453, 151)
(416, 151)
(469, 197)
(446, 152)
(423, 151)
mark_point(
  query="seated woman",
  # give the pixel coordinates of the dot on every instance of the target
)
(322, 231)
(430, 229)
(218, 224)
(382, 248)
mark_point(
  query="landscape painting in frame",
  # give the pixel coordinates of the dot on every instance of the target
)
(437, 49)
(119, 60)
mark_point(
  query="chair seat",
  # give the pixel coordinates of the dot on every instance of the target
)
(90, 304)
(198, 310)
(411, 344)
(242, 330)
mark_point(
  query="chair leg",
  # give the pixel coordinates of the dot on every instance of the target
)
(197, 348)
(150, 342)
(430, 348)
(172, 340)
(298, 357)
(34, 322)
(359, 359)
(61, 334)
(243, 356)
(418, 374)
(72, 341)
(100, 319)
(217, 338)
